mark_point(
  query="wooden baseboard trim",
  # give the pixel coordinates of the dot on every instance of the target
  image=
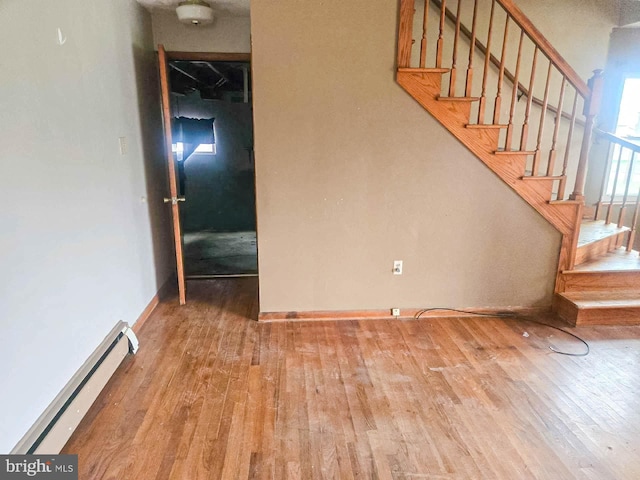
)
(164, 292)
(405, 314)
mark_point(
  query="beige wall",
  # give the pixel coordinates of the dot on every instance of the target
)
(578, 29)
(353, 174)
(85, 235)
(226, 34)
(629, 13)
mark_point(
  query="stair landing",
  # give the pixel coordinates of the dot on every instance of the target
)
(596, 239)
(616, 260)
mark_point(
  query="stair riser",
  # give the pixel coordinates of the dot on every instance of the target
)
(425, 88)
(594, 281)
(598, 316)
(609, 316)
(604, 314)
(596, 249)
(571, 314)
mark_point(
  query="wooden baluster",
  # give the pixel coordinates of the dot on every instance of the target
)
(543, 117)
(497, 105)
(472, 49)
(440, 46)
(485, 72)
(423, 42)
(452, 78)
(605, 180)
(565, 163)
(405, 33)
(514, 94)
(527, 112)
(626, 191)
(615, 186)
(554, 141)
(634, 222)
(591, 108)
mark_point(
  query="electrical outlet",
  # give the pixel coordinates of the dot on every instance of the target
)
(397, 267)
(395, 312)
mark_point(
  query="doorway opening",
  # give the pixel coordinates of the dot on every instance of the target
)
(212, 144)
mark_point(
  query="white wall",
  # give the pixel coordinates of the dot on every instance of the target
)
(84, 233)
(225, 35)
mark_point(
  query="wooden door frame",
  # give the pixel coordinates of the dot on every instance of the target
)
(208, 56)
(166, 104)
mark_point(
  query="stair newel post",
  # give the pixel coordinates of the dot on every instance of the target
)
(591, 108)
(472, 50)
(485, 72)
(405, 33)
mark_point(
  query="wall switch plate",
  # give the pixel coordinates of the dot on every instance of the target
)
(397, 267)
(395, 312)
(122, 141)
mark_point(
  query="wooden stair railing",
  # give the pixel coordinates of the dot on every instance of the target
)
(620, 170)
(533, 150)
(504, 72)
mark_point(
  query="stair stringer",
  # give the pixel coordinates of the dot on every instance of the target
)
(425, 88)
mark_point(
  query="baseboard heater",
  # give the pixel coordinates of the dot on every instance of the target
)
(54, 427)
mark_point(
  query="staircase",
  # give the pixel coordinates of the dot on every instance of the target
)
(514, 102)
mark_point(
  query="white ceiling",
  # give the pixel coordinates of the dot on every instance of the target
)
(220, 7)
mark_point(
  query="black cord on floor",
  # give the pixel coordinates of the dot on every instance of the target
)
(517, 316)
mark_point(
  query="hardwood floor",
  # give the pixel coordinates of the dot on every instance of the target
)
(214, 395)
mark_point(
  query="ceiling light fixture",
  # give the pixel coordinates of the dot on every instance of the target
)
(195, 12)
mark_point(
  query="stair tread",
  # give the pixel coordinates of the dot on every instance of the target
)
(540, 177)
(596, 230)
(424, 70)
(618, 260)
(565, 202)
(458, 99)
(490, 125)
(604, 299)
(514, 152)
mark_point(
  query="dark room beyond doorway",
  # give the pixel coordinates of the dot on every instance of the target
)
(217, 177)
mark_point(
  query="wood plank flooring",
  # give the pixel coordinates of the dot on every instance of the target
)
(213, 394)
